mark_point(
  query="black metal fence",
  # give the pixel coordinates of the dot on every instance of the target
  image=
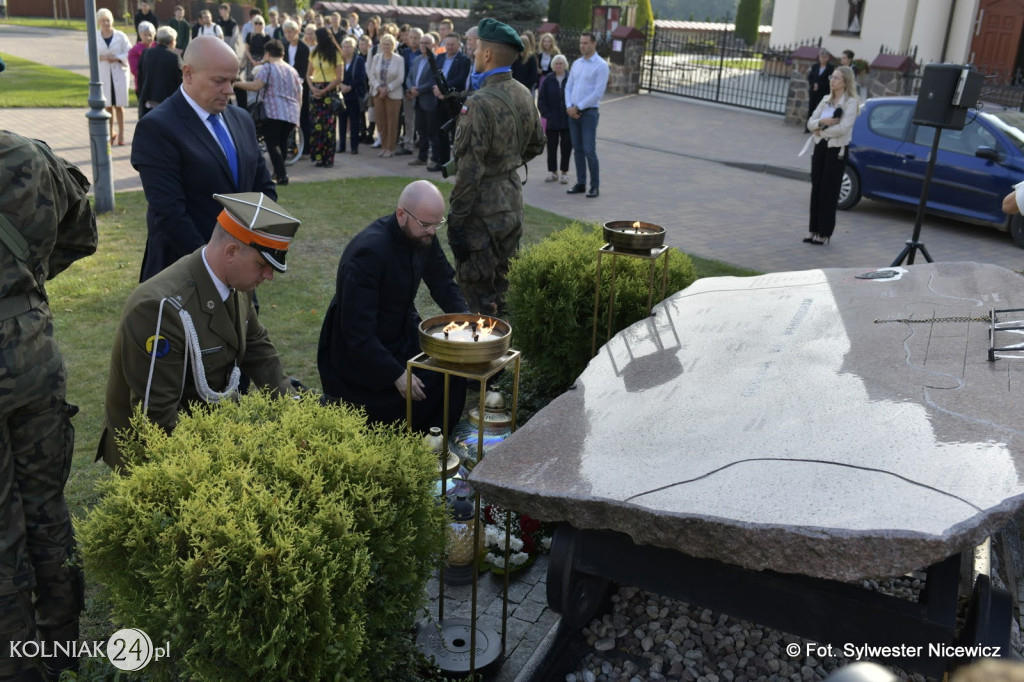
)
(719, 67)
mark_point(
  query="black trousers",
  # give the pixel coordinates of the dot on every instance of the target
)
(276, 134)
(826, 179)
(426, 130)
(304, 114)
(353, 119)
(558, 140)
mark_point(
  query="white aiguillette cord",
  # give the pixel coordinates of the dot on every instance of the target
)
(194, 352)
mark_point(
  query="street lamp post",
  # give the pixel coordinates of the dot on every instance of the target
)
(99, 142)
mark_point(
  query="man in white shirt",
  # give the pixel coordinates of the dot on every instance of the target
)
(206, 27)
(354, 29)
(583, 92)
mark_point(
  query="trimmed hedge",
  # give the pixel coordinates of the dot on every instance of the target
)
(551, 301)
(269, 538)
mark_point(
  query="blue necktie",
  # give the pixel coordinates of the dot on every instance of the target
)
(225, 141)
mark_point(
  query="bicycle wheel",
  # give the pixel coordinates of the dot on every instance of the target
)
(296, 143)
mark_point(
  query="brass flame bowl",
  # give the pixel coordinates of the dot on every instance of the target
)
(622, 235)
(460, 351)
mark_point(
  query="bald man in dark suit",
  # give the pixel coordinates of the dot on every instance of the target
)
(190, 147)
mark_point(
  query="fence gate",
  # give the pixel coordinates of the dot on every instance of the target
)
(718, 67)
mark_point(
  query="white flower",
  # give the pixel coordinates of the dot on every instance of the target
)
(518, 559)
(492, 534)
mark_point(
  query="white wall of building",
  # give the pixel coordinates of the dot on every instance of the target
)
(899, 25)
(962, 34)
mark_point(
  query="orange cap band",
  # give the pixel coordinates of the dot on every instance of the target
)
(247, 236)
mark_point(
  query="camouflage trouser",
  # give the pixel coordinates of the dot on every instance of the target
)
(40, 588)
(483, 277)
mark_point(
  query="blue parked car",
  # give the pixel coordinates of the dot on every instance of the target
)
(975, 169)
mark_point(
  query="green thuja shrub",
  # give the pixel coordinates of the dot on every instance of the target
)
(269, 538)
(551, 302)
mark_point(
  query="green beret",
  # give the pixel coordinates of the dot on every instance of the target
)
(494, 31)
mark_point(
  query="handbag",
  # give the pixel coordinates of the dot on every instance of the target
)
(338, 105)
(257, 109)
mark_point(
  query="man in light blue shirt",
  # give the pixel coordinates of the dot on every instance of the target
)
(583, 92)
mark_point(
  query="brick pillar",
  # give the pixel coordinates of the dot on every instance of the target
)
(887, 76)
(798, 93)
(625, 65)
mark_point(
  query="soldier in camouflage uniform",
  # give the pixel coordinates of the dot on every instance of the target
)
(46, 224)
(497, 132)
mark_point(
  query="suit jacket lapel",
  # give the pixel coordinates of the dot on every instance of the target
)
(215, 314)
(197, 129)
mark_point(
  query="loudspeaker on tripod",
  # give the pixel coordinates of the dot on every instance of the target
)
(947, 92)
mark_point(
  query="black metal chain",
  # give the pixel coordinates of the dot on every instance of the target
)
(923, 320)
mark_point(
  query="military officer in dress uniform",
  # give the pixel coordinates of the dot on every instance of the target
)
(46, 223)
(497, 132)
(187, 334)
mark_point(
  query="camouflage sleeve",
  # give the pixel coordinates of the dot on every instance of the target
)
(76, 233)
(44, 197)
(472, 142)
(536, 142)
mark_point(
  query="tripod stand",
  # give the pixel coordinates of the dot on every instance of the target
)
(913, 245)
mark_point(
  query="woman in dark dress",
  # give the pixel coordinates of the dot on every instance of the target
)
(817, 80)
(524, 69)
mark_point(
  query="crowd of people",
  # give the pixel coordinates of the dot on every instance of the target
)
(360, 82)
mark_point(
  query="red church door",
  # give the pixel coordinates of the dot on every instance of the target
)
(997, 38)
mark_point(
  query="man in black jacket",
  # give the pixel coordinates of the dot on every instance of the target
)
(144, 13)
(159, 71)
(455, 66)
(371, 327)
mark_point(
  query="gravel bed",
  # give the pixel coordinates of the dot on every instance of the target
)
(649, 637)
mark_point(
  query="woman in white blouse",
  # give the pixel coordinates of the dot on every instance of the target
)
(112, 48)
(386, 73)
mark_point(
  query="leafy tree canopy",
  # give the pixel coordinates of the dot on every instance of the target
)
(507, 10)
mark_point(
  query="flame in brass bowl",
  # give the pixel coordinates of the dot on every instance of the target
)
(449, 339)
(633, 235)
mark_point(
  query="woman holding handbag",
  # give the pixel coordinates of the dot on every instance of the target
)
(832, 125)
(279, 90)
(324, 77)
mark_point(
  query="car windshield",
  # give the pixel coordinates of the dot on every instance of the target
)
(1010, 122)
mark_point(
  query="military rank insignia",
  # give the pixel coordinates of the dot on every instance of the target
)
(163, 346)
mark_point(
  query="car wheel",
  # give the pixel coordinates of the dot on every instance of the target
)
(849, 190)
(1017, 229)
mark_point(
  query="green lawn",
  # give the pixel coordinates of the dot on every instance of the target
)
(86, 301)
(29, 84)
(41, 22)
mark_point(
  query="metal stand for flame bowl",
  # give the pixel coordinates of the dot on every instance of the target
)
(650, 255)
(447, 642)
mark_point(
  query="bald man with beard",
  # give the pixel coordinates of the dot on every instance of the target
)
(372, 327)
(190, 147)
